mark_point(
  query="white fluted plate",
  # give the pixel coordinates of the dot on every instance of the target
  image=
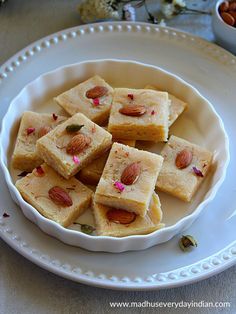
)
(203, 65)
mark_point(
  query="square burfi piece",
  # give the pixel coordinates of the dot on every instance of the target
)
(32, 126)
(120, 223)
(177, 106)
(139, 114)
(54, 197)
(68, 152)
(93, 98)
(184, 168)
(128, 179)
(92, 173)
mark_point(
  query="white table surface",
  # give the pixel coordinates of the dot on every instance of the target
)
(24, 287)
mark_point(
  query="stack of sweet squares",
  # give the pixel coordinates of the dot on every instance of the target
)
(57, 152)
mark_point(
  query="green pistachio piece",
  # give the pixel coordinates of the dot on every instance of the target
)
(87, 229)
(73, 128)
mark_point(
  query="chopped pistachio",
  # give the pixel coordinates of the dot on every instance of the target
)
(73, 128)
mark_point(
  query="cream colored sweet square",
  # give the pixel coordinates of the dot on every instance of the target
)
(150, 126)
(183, 183)
(135, 197)
(32, 126)
(75, 100)
(140, 225)
(92, 173)
(35, 188)
(53, 147)
(177, 106)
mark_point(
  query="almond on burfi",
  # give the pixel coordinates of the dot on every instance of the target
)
(73, 145)
(120, 223)
(128, 179)
(54, 197)
(184, 168)
(139, 114)
(92, 97)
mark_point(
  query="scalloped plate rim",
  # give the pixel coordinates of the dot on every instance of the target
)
(22, 251)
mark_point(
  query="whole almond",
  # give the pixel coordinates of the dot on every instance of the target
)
(77, 144)
(131, 174)
(183, 159)
(120, 216)
(133, 110)
(60, 197)
(44, 130)
(224, 6)
(96, 92)
(228, 18)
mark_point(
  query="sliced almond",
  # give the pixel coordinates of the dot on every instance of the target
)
(96, 92)
(133, 110)
(120, 216)
(183, 159)
(44, 130)
(131, 173)
(60, 197)
(77, 144)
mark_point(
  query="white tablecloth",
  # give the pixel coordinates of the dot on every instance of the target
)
(24, 287)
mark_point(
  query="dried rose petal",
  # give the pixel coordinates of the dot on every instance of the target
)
(76, 160)
(153, 112)
(5, 215)
(96, 102)
(119, 186)
(30, 130)
(198, 172)
(40, 170)
(54, 116)
(131, 96)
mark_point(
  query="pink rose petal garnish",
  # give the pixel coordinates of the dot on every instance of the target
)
(40, 170)
(153, 112)
(5, 215)
(30, 130)
(198, 172)
(76, 160)
(119, 186)
(131, 96)
(96, 102)
(54, 116)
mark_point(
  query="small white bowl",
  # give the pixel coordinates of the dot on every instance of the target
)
(225, 34)
(200, 124)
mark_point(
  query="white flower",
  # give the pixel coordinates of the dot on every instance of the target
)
(179, 3)
(167, 9)
(129, 12)
(92, 10)
(173, 8)
(162, 23)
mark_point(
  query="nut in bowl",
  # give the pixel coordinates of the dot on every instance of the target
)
(152, 172)
(224, 24)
